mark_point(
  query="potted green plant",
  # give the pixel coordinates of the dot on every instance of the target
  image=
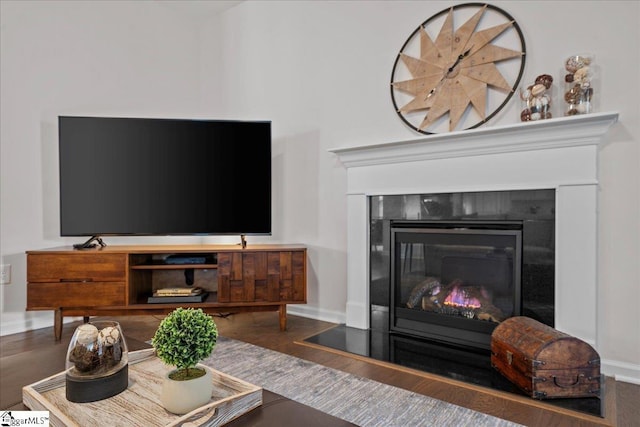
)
(183, 339)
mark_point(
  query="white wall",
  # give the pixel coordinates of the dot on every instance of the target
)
(124, 58)
(320, 71)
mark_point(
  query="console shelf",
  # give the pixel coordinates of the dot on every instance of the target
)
(174, 266)
(117, 280)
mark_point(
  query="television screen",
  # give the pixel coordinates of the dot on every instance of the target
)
(142, 176)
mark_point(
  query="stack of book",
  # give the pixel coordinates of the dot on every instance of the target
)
(178, 295)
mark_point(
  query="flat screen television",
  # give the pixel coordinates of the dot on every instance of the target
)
(147, 176)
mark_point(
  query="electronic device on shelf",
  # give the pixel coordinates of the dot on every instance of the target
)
(185, 259)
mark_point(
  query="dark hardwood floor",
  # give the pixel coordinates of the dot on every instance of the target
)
(33, 355)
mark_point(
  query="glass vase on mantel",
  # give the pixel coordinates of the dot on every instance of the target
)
(579, 74)
(536, 99)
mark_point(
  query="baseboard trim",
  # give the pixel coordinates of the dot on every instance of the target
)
(621, 371)
(30, 322)
(316, 313)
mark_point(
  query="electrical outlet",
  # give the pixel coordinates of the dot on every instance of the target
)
(5, 274)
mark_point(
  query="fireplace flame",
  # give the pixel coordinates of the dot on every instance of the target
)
(459, 298)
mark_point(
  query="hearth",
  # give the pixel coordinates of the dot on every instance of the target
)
(469, 365)
(450, 267)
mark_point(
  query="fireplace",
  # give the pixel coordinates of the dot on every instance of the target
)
(559, 155)
(451, 266)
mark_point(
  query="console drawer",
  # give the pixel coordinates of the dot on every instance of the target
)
(49, 267)
(75, 294)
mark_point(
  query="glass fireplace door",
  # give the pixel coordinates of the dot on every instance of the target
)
(455, 282)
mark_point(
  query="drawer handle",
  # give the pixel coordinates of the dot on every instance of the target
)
(76, 280)
(555, 381)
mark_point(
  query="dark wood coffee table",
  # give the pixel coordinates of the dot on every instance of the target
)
(279, 411)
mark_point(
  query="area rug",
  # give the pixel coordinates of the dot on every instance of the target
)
(355, 399)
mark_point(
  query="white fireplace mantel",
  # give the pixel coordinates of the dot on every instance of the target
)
(560, 154)
(587, 129)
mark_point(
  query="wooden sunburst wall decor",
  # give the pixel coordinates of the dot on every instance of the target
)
(458, 69)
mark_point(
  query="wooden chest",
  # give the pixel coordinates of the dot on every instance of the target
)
(543, 362)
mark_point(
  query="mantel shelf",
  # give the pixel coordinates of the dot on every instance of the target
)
(587, 129)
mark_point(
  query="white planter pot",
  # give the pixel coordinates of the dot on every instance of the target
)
(180, 397)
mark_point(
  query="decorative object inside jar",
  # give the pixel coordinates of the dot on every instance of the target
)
(536, 99)
(578, 78)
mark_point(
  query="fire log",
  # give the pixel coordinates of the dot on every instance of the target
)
(421, 289)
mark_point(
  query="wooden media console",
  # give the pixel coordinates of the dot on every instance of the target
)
(118, 280)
